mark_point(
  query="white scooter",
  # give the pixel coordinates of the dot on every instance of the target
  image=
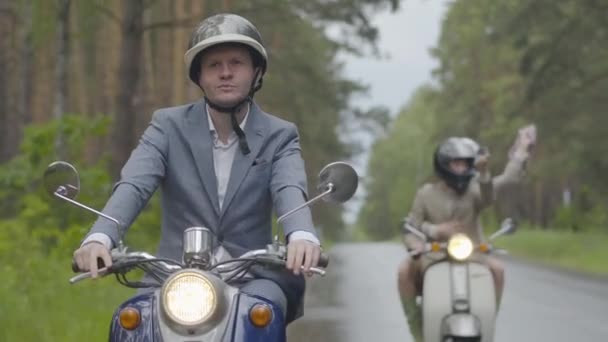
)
(458, 294)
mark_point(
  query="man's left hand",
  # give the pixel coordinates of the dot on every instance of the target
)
(481, 162)
(527, 141)
(302, 253)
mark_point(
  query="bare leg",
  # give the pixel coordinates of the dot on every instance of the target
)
(498, 271)
(407, 276)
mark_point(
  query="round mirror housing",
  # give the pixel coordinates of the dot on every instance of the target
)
(62, 178)
(508, 226)
(341, 179)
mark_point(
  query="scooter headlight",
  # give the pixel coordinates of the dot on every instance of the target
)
(189, 298)
(460, 247)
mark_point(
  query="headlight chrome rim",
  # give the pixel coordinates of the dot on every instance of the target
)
(460, 247)
(192, 281)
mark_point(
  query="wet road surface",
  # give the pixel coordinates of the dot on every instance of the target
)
(357, 301)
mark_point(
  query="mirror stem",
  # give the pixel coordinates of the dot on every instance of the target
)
(496, 234)
(115, 221)
(330, 188)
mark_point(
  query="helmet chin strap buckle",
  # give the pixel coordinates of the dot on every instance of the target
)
(256, 84)
(243, 145)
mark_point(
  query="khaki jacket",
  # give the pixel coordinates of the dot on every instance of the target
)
(436, 203)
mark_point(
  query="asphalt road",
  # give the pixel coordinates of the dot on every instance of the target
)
(357, 301)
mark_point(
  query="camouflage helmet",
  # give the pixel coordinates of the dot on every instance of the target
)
(220, 29)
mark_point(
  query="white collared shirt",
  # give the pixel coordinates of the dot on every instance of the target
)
(223, 155)
(223, 158)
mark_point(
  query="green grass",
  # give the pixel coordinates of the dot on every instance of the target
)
(584, 252)
(42, 306)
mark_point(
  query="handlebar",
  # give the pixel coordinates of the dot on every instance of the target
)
(428, 248)
(272, 256)
(279, 257)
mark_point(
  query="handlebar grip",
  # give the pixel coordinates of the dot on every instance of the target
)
(76, 269)
(414, 254)
(323, 260)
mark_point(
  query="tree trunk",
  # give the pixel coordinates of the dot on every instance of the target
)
(10, 126)
(78, 79)
(129, 68)
(179, 48)
(26, 78)
(192, 91)
(5, 31)
(538, 204)
(61, 79)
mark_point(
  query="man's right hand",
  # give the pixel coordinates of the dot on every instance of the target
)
(86, 257)
(445, 230)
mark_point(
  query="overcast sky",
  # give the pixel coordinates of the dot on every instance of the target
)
(406, 37)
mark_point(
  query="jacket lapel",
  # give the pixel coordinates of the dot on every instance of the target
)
(199, 139)
(254, 131)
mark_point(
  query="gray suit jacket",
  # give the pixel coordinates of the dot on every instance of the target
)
(175, 152)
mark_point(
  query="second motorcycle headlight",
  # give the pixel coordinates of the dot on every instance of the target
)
(189, 298)
(460, 247)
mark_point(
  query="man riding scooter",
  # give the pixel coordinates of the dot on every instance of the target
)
(452, 205)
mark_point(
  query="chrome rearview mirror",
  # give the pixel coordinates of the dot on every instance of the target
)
(61, 178)
(340, 179)
(508, 226)
(338, 182)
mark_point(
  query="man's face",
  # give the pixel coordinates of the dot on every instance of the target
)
(226, 74)
(459, 166)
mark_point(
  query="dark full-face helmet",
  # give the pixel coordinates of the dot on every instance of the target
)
(456, 148)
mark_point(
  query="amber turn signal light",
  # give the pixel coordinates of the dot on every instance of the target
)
(260, 315)
(484, 248)
(129, 318)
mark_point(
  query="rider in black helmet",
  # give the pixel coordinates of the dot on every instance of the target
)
(453, 205)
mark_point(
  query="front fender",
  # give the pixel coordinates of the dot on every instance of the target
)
(147, 331)
(461, 325)
(240, 328)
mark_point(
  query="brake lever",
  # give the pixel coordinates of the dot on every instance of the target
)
(101, 273)
(500, 251)
(316, 270)
(281, 262)
(415, 255)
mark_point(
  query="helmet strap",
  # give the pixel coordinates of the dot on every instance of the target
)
(256, 84)
(235, 124)
(239, 133)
